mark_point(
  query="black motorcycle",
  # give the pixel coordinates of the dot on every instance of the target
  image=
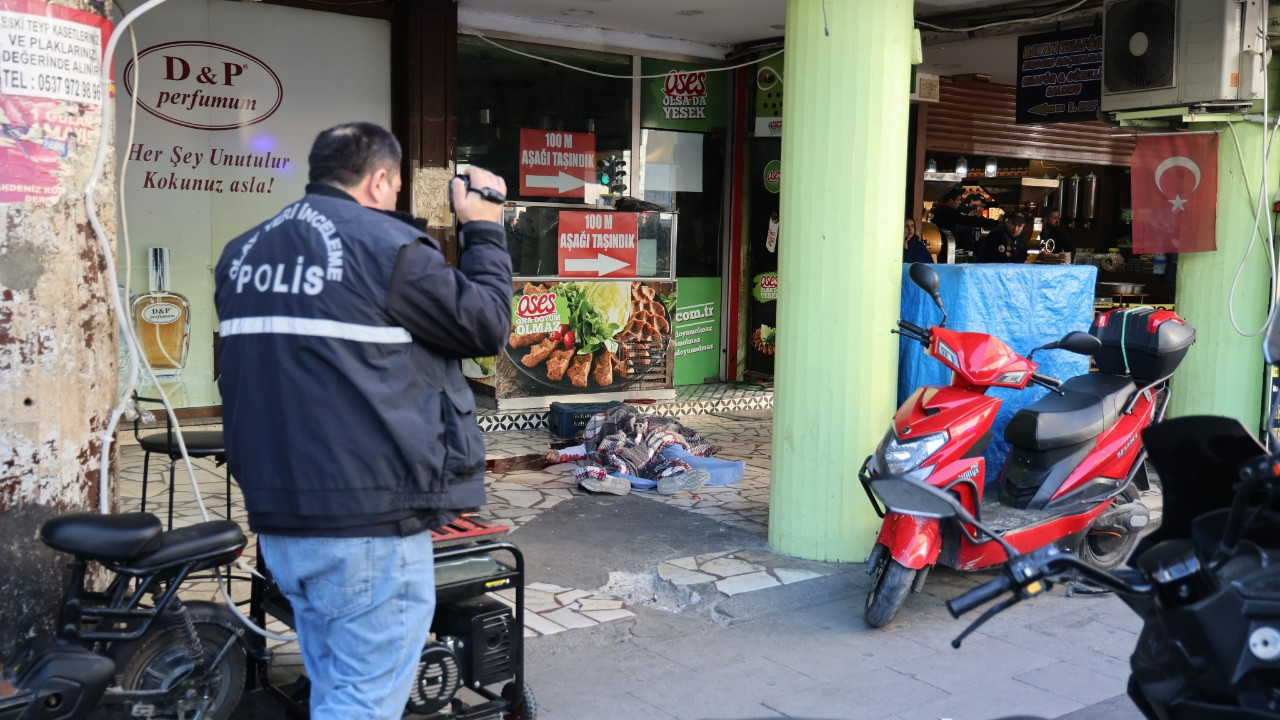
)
(134, 649)
(1206, 583)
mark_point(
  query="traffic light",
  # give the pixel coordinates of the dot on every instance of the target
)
(611, 174)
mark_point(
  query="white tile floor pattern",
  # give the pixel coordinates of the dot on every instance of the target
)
(515, 498)
(518, 496)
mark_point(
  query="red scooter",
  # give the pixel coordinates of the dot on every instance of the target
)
(1075, 455)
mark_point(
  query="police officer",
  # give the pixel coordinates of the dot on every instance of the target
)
(948, 215)
(347, 420)
(1005, 244)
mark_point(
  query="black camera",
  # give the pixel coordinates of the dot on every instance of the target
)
(489, 194)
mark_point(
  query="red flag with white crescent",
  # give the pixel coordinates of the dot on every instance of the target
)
(1175, 193)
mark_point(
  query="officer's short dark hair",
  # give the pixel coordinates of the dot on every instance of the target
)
(952, 194)
(344, 154)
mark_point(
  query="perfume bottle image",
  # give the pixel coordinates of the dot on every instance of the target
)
(162, 318)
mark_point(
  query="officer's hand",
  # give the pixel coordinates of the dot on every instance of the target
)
(469, 205)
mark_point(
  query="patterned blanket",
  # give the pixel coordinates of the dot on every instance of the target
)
(623, 440)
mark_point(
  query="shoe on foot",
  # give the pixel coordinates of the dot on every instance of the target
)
(607, 484)
(687, 481)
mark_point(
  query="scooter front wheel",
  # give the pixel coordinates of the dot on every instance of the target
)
(890, 584)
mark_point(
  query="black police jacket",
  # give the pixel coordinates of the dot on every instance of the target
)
(1058, 234)
(965, 228)
(1001, 247)
(340, 330)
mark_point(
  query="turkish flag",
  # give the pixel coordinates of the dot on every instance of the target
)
(1175, 193)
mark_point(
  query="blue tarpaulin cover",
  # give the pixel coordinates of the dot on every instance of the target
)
(1025, 306)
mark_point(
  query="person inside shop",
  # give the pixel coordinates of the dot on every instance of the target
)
(969, 237)
(1052, 230)
(1006, 244)
(948, 215)
(913, 248)
(347, 420)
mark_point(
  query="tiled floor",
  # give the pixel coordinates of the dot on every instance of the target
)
(734, 573)
(506, 444)
(518, 496)
(515, 498)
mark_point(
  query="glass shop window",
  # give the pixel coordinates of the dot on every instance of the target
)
(501, 93)
(684, 172)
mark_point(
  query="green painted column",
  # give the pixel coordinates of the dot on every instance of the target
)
(1223, 372)
(844, 141)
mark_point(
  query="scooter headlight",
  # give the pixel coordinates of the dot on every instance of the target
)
(897, 457)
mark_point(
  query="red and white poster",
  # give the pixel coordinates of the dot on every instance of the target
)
(50, 94)
(556, 164)
(1175, 193)
(597, 244)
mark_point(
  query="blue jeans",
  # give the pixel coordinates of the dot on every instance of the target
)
(362, 609)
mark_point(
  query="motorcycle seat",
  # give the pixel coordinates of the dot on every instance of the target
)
(104, 537)
(201, 541)
(1088, 405)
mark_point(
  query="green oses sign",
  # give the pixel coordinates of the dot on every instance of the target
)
(538, 312)
(764, 288)
(768, 110)
(697, 330)
(684, 96)
(773, 176)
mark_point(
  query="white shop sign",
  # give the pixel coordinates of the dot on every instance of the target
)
(230, 98)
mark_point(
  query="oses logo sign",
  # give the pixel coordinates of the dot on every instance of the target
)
(204, 85)
(538, 313)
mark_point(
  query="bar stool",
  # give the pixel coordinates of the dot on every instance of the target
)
(200, 444)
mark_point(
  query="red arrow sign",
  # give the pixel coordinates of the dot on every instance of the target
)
(556, 164)
(598, 244)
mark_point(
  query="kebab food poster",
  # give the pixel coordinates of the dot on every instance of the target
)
(583, 337)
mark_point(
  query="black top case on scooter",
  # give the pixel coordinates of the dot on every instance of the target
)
(1151, 342)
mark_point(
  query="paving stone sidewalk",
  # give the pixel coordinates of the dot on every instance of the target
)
(650, 606)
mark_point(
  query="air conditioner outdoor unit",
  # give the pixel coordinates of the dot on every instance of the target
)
(1159, 53)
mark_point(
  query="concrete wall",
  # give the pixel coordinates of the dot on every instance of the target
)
(1223, 372)
(57, 368)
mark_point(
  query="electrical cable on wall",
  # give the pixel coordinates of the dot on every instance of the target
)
(129, 358)
(473, 31)
(998, 23)
(1259, 209)
(136, 359)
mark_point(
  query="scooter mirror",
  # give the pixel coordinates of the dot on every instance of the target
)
(1080, 343)
(926, 279)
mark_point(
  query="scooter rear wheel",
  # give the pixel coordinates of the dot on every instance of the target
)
(1105, 549)
(890, 584)
(152, 662)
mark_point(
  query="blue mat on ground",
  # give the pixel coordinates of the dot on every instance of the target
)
(723, 472)
(1023, 305)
